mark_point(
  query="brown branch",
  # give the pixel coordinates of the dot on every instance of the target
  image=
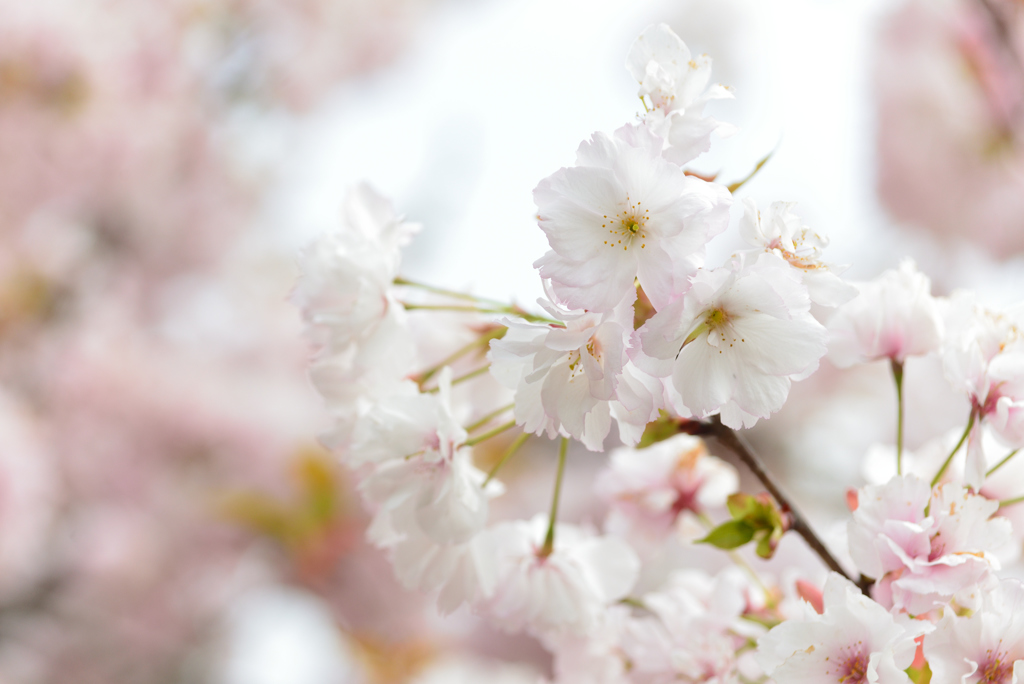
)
(736, 444)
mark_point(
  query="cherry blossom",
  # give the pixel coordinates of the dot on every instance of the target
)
(456, 571)
(567, 590)
(694, 632)
(735, 341)
(925, 547)
(574, 379)
(408, 425)
(893, 316)
(595, 657)
(985, 359)
(778, 229)
(676, 83)
(345, 290)
(625, 213)
(987, 646)
(854, 641)
(362, 346)
(648, 489)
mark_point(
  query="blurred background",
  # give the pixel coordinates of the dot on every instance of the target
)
(166, 513)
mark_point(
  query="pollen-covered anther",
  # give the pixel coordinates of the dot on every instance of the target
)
(854, 670)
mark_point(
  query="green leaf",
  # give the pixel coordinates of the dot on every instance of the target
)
(741, 505)
(729, 535)
(659, 430)
(766, 546)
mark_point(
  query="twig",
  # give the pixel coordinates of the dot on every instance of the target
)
(732, 441)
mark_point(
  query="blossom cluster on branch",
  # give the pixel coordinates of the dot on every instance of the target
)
(638, 332)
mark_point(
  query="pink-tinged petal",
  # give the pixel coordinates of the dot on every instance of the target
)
(596, 285)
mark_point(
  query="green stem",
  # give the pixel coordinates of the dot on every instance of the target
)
(508, 454)
(963, 438)
(999, 465)
(463, 378)
(733, 187)
(507, 310)
(737, 559)
(447, 293)
(489, 417)
(897, 375)
(449, 360)
(633, 603)
(1010, 502)
(549, 538)
(487, 435)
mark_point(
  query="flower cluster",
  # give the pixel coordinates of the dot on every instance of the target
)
(639, 333)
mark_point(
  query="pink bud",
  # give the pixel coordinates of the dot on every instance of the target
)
(919, 655)
(812, 594)
(851, 499)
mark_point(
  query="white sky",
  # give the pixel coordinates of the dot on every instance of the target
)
(494, 95)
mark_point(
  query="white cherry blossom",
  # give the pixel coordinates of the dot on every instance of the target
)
(854, 641)
(735, 341)
(421, 463)
(574, 379)
(363, 349)
(345, 288)
(676, 85)
(406, 424)
(566, 591)
(456, 571)
(986, 647)
(893, 316)
(625, 213)
(779, 230)
(923, 561)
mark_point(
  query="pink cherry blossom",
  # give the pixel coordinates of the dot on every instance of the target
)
(648, 489)
(985, 359)
(893, 316)
(695, 632)
(923, 560)
(948, 109)
(987, 646)
(854, 641)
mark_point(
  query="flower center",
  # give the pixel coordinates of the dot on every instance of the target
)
(714, 320)
(997, 669)
(593, 348)
(626, 226)
(854, 670)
